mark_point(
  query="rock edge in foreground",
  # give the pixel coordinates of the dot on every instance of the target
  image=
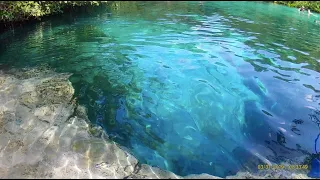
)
(44, 134)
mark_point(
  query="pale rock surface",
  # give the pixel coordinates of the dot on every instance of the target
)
(44, 134)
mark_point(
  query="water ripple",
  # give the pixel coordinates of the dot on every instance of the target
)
(191, 87)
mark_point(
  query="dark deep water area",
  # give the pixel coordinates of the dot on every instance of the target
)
(191, 87)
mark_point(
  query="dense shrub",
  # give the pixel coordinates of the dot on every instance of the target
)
(11, 11)
(312, 5)
(23, 10)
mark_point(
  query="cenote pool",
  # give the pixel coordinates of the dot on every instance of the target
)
(190, 87)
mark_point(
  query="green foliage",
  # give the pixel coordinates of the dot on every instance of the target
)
(312, 5)
(22, 10)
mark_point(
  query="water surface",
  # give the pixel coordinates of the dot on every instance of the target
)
(191, 87)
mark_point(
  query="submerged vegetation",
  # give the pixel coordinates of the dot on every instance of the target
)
(312, 5)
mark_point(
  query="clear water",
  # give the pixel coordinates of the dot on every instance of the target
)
(191, 87)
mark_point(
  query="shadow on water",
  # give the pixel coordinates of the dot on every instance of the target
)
(295, 144)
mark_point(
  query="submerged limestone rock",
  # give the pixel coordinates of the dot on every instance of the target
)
(44, 134)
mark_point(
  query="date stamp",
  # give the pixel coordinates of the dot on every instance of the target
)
(281, 166)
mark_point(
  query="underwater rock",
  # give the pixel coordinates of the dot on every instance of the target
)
(55, 90)
(44, 134)
(27, 73)
(269, 174)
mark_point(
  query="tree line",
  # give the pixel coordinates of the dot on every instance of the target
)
(312, 5)
(11, 11)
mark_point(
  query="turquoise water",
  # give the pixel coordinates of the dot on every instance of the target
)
(191, 87)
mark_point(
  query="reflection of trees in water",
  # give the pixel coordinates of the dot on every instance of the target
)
(152, 11)
(102, 74)
(278, 142)
(286, 40)
(294, 125)
(282, 34)
(315, 117)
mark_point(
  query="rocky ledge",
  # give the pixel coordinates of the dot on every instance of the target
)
(45, 134)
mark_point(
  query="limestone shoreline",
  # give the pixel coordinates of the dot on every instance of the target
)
(45, 134)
